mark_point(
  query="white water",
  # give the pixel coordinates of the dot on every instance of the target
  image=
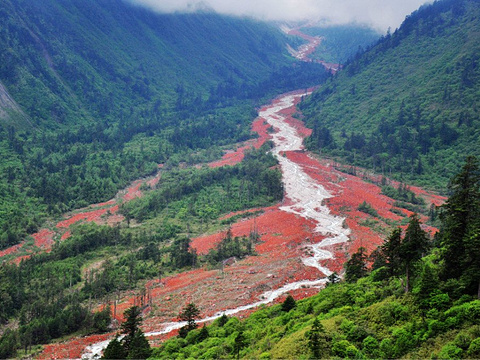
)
(306, 196)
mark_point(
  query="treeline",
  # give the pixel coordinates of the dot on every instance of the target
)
(414, 297)
(205, 193)
(233, 247)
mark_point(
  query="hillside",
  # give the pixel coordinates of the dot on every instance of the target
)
(96, 94)
(407, 106)
(413, 297)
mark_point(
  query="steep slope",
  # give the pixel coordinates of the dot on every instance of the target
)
(101, 92)
(408, 105)
(66, 60)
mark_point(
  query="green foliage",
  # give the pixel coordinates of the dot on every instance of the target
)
(367, 209)
(356, 266)
(410, 98)
(459, 235)
(206, 193)
(341, 42)
(414, 245)
(230, 247)
(114, 350)
(107, 91)
(133, 345)
(363, 318)
(289, 303)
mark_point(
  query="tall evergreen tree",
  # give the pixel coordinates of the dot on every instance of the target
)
(134, 345)
(470, 277)
(139, 346)
(458, 217)
(131, 325)
(413, 247)
(239, 343)
(189, 314)
(391, 250)
(356, 266)
(317, 341)
(114, 350)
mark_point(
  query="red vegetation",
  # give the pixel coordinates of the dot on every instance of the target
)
(44, 238)
(284, 240)
(71, 349)
(10, 250)
(133, 191)
(233, 157)
(87, 216)
(66, 235)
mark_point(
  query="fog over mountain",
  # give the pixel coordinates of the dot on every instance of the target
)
(380, 14)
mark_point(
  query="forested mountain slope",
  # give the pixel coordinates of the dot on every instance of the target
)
(65, 60)
(409, 104)
(97, 93)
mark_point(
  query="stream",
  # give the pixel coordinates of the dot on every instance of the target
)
(306, 198)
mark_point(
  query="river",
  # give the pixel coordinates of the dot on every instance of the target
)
(305, 198)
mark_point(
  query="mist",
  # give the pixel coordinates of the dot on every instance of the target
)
(378, 14)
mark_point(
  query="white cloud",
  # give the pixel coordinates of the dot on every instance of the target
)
(380, 14)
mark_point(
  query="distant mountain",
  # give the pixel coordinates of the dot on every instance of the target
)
(340, 42)
(68, 60)
(408, 105)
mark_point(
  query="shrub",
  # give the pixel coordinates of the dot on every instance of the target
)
(450, 351)
(368, 209)
(473, 351)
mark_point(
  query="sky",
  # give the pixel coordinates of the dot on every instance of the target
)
(379, 14)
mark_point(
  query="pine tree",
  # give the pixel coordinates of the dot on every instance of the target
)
(391, 250)
(134, 345)
(471, 261)
(114, 350)
(288, 304)
(239, 343)
(131, 325)
(413, 247)
(458, 215)
(139, 347)
(189, 314)
(317, 341)
(204, 334)
(356, 266)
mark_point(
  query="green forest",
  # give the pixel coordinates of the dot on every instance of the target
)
(104, 91)
(52, 294)
(406, 106)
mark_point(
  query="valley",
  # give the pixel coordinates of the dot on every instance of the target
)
(288, 218)
(302, 240)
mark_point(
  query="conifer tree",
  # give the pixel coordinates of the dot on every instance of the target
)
(413, 247)
(189, 314)
(289, 303)
(356, 266)
(391, 250)
(239, 343)
(459, 235)
(317, 341)
(458, 212)
(114, 350)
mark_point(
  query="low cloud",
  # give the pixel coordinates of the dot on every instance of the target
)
(379, 14)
